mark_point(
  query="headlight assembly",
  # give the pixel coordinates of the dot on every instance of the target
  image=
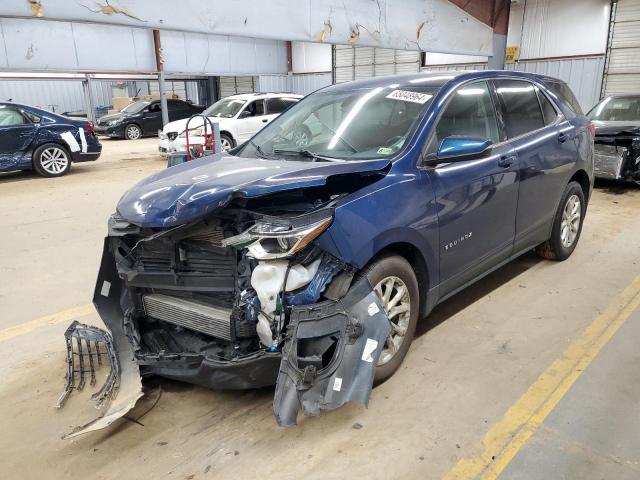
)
(193, 132)
(267, 241)
(114, 122)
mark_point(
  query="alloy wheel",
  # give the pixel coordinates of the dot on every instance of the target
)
(133, 132)
(394, 297)
(570, 224)
(225, 143)
(54, 160)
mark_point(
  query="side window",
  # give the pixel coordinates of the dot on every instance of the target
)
(255, 108)
(10, 118)
(155, 107)
(289, 101)
(275, 105)
(565, 92)
(520, 107)
(33, 117)
(548, 111)
(469, 113)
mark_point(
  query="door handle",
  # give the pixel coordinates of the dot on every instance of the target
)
(506, 161)
(563, 137)
(265, 120)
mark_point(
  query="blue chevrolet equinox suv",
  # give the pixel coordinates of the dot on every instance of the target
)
(306, 265)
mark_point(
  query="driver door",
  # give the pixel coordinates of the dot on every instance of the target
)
(251, 120)
(476, 198)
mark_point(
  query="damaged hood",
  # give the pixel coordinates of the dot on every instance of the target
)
(183, 193)
(611, 128)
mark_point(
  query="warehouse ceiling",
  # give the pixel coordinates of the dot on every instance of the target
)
(426, 25)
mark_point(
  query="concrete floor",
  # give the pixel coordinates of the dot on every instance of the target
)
(473, 358)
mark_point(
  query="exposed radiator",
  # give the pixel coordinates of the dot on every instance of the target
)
(195, 315)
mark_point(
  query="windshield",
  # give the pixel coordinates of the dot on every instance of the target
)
(625, 109)
(136, 107)
(343, 125)
(227, 108)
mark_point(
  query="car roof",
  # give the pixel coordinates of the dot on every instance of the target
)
(436, 79)
(254, 96)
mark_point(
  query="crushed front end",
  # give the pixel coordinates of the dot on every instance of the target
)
(242, 298)
(617, 153)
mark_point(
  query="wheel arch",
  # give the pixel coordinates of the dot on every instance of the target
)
(418, 263)
(230, 135)
(60, 144)
(582, 178)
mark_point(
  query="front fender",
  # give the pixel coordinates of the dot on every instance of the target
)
(400, 209)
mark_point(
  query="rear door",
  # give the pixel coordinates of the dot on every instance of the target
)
(178, 110)
(477, 198)
(544, 143)
(251, 120)
(16, 134)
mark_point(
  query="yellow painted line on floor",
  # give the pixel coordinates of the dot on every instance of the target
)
(508, 436)
(32, 325)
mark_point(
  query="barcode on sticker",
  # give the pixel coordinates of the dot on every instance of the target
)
(106, 286)
(373, 309)
(369, 348)
(415, 97)
(337, 384)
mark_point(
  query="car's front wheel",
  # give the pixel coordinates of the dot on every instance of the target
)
(226, 142)
(51, 160)
(395, 284)
(567, 225)
(132, 132)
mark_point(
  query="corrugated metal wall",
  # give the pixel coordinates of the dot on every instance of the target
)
(67, 95)
(583, 75)
(623, 65)
(354, 62)
(55, 95)
(302, 84)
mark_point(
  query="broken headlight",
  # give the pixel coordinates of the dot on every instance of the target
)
(270, 240)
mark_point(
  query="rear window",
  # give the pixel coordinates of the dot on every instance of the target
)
(520, 107)
(565, 92)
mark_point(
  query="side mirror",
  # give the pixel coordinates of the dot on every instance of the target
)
(462, 148)
(245, 114)
(458, 149)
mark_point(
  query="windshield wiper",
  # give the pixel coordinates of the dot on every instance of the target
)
(305, 153)
(261, 152)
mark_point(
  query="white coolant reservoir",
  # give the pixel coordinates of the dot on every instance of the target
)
(267, 279)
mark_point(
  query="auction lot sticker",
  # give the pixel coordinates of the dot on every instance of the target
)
(415, 97)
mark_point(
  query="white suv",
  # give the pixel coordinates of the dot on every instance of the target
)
(239, 116)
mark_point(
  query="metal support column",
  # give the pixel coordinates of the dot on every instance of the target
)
(88, 99)
(160, 68)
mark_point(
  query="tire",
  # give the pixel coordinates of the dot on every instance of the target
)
(567, 225)
(227, 142)
(380, 275)
(132, 131)
(51, 160)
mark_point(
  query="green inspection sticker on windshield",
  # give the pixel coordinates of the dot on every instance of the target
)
(385, 150)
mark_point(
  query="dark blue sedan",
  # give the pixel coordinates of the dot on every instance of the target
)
(31, 138)
(308, 266)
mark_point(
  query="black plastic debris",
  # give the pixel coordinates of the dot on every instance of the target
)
(88, 348)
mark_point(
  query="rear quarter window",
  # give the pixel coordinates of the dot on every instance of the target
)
(562, 89)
